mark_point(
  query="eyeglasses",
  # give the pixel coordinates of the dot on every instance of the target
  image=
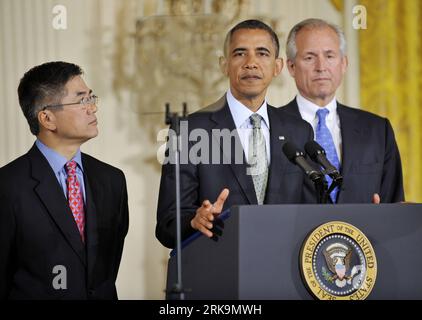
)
(85, 102)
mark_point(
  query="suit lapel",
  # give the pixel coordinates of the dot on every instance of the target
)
(351, 137)
(224, 121)
(292, 108)
(91, 188)
(278, 136)
(51, 195)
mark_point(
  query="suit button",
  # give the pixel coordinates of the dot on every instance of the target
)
(91, 292)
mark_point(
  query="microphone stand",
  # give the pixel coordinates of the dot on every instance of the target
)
(321, 189)
(173, 119)
(337, 182)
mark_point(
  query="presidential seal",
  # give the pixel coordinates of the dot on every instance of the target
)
(338, 262)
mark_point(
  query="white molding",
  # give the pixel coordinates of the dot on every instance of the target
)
(352, 78)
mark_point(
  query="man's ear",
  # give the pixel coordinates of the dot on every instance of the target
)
(278, 66)
(47, 120)
(291, 67)
(344, 63)
(223, 65)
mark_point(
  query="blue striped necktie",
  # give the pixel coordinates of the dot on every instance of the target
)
(324, 138)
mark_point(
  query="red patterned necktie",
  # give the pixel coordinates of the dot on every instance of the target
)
(74, 196)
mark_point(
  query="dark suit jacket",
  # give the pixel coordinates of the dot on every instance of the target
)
(206, 181)
(38, 232)
(370, 157)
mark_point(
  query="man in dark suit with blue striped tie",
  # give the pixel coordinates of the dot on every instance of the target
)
(360, 144)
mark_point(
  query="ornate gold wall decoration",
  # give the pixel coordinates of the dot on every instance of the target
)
(176, 57)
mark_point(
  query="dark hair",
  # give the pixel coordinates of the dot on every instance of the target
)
(253, 24)
(44, 84)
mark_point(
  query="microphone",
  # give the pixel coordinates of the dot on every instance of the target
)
(317, 154)
(297, 157)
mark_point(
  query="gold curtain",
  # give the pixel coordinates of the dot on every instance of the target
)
(338, 4)
(391, 78)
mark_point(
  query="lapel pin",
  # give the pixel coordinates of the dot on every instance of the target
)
(280, 137)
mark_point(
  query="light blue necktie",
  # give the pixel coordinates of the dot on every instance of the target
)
(324, 138)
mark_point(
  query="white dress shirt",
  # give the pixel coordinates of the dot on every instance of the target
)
(308, 111)
(241, 114)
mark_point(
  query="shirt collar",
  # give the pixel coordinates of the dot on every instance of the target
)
(308, 109)
(241, 113)
(56, 160)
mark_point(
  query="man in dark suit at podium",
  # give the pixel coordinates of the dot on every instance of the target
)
(360, 144)
(251, 168)
(63, 214)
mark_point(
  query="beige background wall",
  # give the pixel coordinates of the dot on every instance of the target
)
(99, 37)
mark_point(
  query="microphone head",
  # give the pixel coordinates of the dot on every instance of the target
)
(313, 149)
(291, 151)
